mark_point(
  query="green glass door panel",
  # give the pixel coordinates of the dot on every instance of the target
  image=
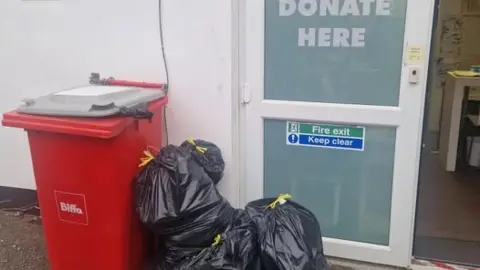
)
(349, 191)
(334, 51)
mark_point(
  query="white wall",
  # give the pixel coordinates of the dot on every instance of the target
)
(51, 45)
(457, 47)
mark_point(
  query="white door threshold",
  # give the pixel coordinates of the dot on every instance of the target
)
(342, 264)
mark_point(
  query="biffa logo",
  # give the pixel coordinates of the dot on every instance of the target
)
(72, 207)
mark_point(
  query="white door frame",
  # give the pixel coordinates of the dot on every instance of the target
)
(407, 117)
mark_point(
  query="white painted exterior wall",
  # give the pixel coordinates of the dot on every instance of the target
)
(52, 45)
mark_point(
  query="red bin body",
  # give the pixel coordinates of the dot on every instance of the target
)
(84, 169)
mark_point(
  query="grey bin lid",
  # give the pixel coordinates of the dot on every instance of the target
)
(90, 101)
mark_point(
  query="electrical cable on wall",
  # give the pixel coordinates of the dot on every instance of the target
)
(167, 84)
(96, 79)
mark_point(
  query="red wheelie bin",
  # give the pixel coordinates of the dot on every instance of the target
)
(84, 158)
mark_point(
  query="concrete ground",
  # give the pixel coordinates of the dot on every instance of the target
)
(339, 264)
(21, 242)
(22, 246)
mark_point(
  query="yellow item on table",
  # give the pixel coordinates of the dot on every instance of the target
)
(466, 73)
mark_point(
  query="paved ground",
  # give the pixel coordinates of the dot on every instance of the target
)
(21, 242)
(22, 245)
(350, 265)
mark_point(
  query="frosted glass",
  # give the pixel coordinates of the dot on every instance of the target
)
(362, 73)
(349, 191)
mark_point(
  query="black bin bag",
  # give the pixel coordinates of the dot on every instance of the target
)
(289, 235)
(179, 203)
(208, 155)
(235, 249)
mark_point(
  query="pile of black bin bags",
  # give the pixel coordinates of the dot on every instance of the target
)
(196, 228)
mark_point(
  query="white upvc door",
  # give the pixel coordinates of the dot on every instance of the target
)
(333, 108)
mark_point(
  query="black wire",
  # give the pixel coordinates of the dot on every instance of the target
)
(165, 66)
(161, 40)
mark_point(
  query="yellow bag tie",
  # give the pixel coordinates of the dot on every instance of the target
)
(146, 159)
(199, 149)
(281, 197)
(217, 240)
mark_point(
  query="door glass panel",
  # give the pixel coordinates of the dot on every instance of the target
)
(334, 51)
(346, 181)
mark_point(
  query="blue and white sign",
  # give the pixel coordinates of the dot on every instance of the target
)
(326, 136)
(293, 138)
